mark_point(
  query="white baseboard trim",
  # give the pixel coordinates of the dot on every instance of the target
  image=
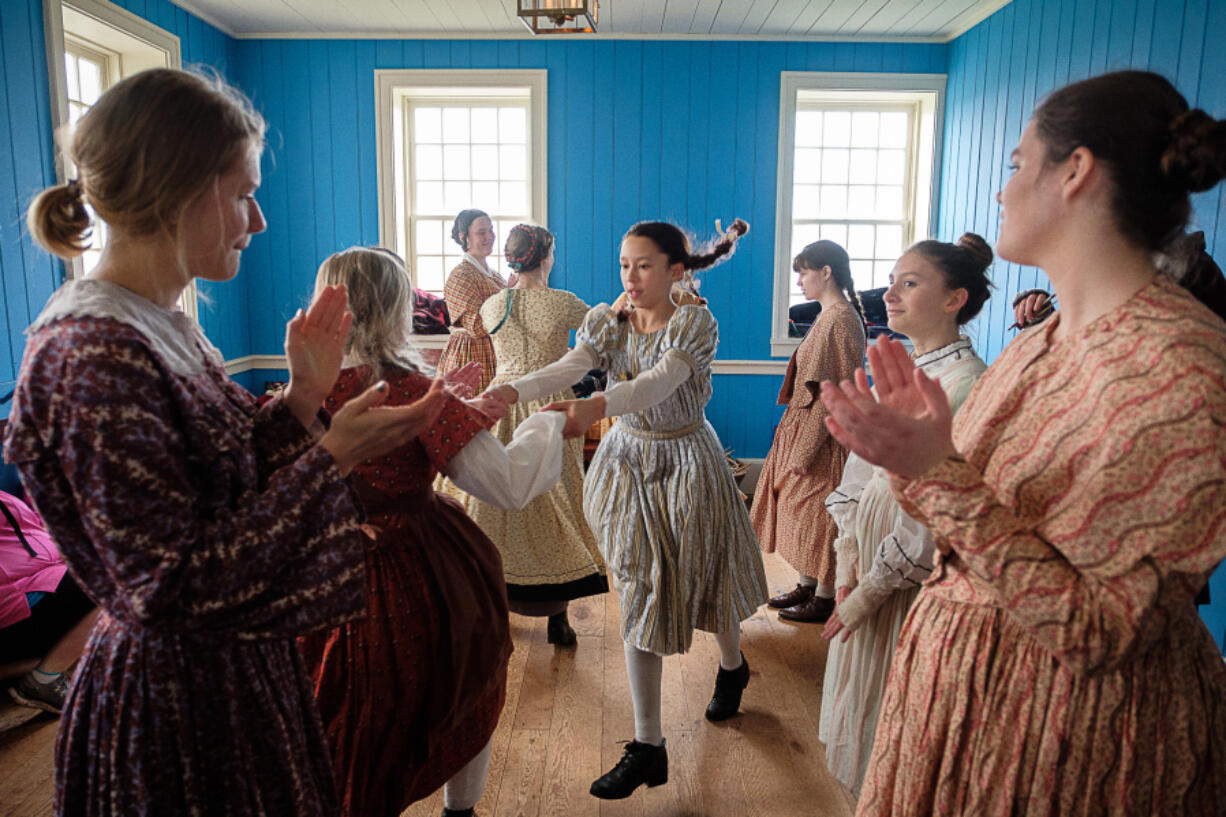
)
(275, 362)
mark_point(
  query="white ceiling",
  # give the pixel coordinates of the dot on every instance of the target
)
(878, 20)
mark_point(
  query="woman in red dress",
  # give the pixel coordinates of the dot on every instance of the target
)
(410, 695)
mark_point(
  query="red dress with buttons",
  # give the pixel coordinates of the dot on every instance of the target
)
(413, 691)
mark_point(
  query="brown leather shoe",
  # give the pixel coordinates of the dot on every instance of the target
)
(816, 609)
(799, 595)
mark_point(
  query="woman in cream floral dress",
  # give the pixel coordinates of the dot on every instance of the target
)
(549, 555)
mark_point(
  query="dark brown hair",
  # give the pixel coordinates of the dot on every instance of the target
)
(1155, 149)
(148, 147)
(827, 253)
(527, 246)
(463, 221)
(964, 265)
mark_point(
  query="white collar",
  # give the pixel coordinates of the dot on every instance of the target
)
(946, 355)
(175, 337)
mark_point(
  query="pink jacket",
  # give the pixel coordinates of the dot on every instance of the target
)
(20, 571)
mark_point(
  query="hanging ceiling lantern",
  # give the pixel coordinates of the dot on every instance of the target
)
(558, 16)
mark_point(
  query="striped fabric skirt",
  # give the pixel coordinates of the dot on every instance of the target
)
(674, 533)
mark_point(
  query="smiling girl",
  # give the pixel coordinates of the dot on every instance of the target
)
(468, 286)
(659, 495)
(883, 555)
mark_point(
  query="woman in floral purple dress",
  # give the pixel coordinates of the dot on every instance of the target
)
(210, 532)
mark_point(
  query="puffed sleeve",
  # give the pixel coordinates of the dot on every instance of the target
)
(692, 335)
(576, 310)
(600, 333)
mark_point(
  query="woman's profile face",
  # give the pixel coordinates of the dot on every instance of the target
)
(917, 300)
(1028, 202)
(219, 223)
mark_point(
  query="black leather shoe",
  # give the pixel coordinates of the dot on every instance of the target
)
(816, 609)
(558, 631)
(464, 812)
(729, 684)
(642, 763)
(799, 595)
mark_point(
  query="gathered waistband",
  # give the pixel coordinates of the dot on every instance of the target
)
(669, 434)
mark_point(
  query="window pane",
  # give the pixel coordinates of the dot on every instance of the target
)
(863, 167)
(429, 198)
(889, 202)
(864, 129)
(804, 235)
(805, 201)
(808, 168)
(862, 274)
(485, 195)
(427, 125)
(836, 233)
(429, 272)
(861, 240)
(889, 241)
(513, 125)
(881, 273)
(428, 163)
(513, 198)
(834, 201)
(455, 162)
(457, 196)
(455, 124)
(75, 112)
(836, 129)
(91, 81)
(860, 200)
(429, 237)
(485, 125)
(450, 262)
(513, 163)
(891, 166)
(485, 162)
(834, 166)
(894, 129)
(808, 129)
(70, 69)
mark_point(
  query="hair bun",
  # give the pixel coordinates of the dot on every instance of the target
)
(978, 249)
(58, 220)
(1196, 158)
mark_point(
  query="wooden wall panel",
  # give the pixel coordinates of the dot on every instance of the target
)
(1002, 67)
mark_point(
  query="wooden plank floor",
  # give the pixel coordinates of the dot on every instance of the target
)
(567, 710)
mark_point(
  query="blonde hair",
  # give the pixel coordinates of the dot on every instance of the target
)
(381, 300)
(144, 152)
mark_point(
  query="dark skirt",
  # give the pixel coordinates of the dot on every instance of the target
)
(413, 691)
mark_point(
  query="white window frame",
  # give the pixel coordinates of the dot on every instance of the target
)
(132, 43)
(395, 89)
(925, 90)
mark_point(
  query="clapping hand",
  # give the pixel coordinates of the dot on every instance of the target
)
(314, 349)
(363, 428)
(905, 428)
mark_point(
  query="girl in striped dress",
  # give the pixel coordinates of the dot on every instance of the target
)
(659, 495)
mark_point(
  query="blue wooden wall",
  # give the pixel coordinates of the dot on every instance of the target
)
(684, 131)
(28, 275)
(1001, 68)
